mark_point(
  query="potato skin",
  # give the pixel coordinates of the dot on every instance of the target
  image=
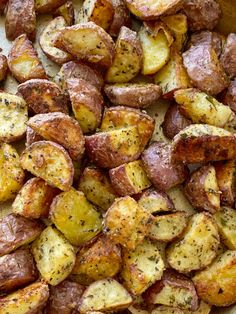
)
(121, 17)
(3, 4)
(47, 6)
(3, 67)
(32, 136)
(230, 97)
(229, 55)
(67, 11)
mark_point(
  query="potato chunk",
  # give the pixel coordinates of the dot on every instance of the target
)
(230, 96)
(32, 137)
(3, 67)
(228, 55)
(47, 6)
(67, 11)
(121, 17)
(54, 256)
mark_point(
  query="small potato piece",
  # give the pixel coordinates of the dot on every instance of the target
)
(30, 299)
(121, 17)
(23, 60)
(107, 295)
(16, 231)
(50, 162)
(54, 256)
(229, 55)
(175, 290)
(141, 267)
(97, 188)
(99, 261)
(163, 173)
(128, 57)
(11, 173)
(13, 117)
(67, 11)
(198, 246)
(34, 199)
(200, 143)
(32, 136)
(133, 95)
(87, 104)
(113, 148)
(80, 222)
(48, 37)
(62, 129)
(230, 97)
(129, 179)
(47, 6)
(216, 284)
(16, 270)
(3, 67)
(20, 19)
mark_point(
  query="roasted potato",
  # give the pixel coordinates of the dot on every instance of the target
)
(198, 246)
(87, 104)
(126, 222)
(16, 231)
(3, 4)
(128, 57)
(13, 117)
(67, 11)
(133, 95)
(230, 97)
(48, 37)
(32, 136)
(105, 295)
(97, 188)
(16, 270)
(20, 19)
(3, 67)
(229, 55)
(50, 162)
(11, 173)
(226, 24)
(204, 308)
(163, 173)
(23, 60)
(216, 284)
(54, 256)
(202, 143)
(47, 6)
(121, 17)
(30, 299)
(34, 199)
(78, 226)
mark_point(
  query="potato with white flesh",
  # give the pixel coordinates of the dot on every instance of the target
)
(175, 290)
(23, 60)
(54, 256)
(75, 217)
(50, 162)
(87, 104)
(113, 148)
(11, 173)
(99, 261)
(30, 299)
(97, 187)
(121, 17)
(34, 199)
(216, 284)
(202, 108)
(3, 67)
(32, 136)
(128, 57)
(200, 143)
(104, 295)
(126, 222)
(67, 11)
(48, 37)
(198, 246)
(47, 6)
(141, 267)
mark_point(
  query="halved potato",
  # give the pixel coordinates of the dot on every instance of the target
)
(3, 67)
(67, 11)
(47, 6)
(32, 136)
(50, 162)
(121, 17)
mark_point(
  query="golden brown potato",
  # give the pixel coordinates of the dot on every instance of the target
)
(121, 17)
(3, 67)
(47, 6)
(204, 308)
(87, 103)
(32, 136)
(20, 19)
(16, 270)
(62, 129)
(163, 173)
(23, 60)
(16, 231)
(133, 95)
(67, 11)
(50, 162)
(216, 284)
(43, 96)
(230, 97)
(228, 56)
(128, 57)
(226, 24)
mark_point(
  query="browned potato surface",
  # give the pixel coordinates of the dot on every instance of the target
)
(67, 11)
(230, 97)
(3, 67)
(228, 57)
(32, 136)
(121, 17)
(226, 24)
(47, 6)
(3, 4)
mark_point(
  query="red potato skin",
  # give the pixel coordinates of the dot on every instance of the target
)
(228, 57)
(3, 67)
(157, 194)
(121, 17)
(32, 136)
(230, 96)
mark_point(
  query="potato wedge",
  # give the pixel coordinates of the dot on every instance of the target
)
(11, 173)
(30, 299)
(228, 56)
(67, 11)
(16, 231)
(50, 162)
(107, 295)
(47, 6)
(202, 143)
(23, 60)
(97, 188)
(133, 95)
(20, 19)
(32, 136)
(3, 67)
(216, 284)
(78, 226)
(53, 264)
(230, 96)
(141, 267)
(113, 148)
(198, 246)
(121, 17)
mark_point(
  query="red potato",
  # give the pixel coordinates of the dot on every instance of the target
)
(121, 17)
(32, 136)
(3, 67)
(3, 4)
(228, 57)
(47, 6)
(230, 97)
(67, 11)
